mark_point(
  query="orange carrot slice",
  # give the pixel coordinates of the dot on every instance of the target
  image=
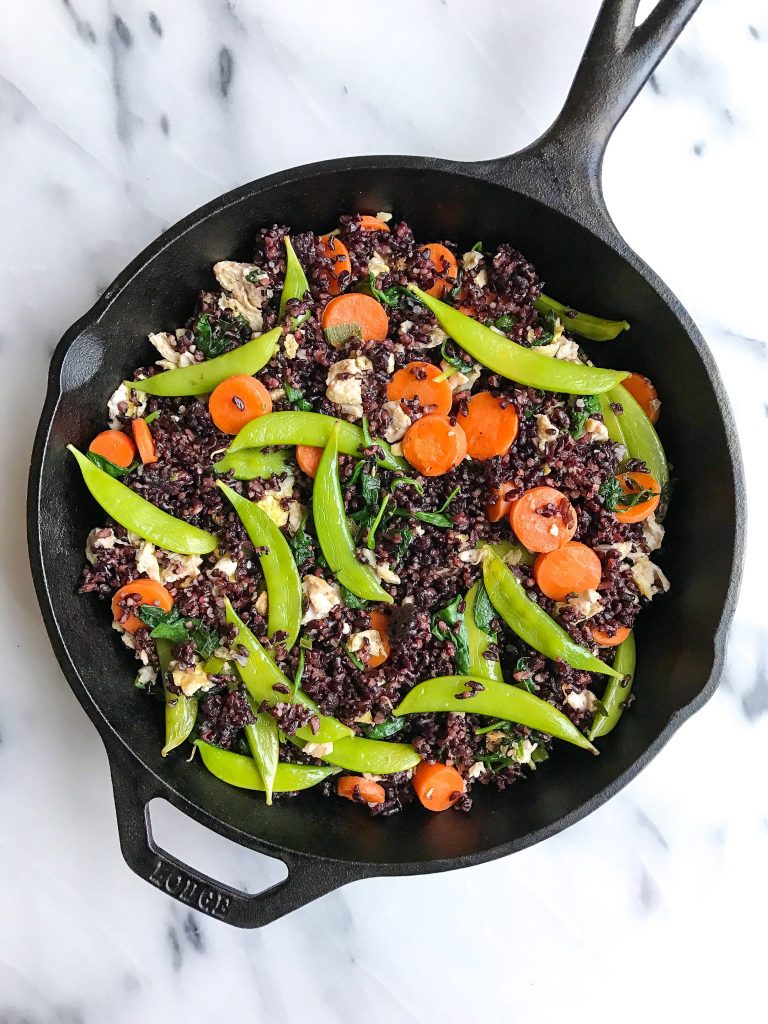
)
(490, 425)
(632, 483)
(644, 393)
(420, 380)
(433, 445)
(604, 640)
(308, 458)
(571, 569)
(338, 253)
(114, 446)
(355, 787)
(379, 622)
(237, 401)
(543, 519)
(499, 503)
(355, 308)
(438, 786)
(444, 262)
(142, 435)
(368, 223)
(149, 592)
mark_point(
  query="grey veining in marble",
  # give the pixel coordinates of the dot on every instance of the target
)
(116, 119)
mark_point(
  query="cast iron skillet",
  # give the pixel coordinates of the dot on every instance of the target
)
(547, 200)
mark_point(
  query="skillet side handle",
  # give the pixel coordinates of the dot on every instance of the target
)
(307, 879)
(618, 60)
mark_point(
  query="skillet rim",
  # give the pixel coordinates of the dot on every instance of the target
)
(122, 757)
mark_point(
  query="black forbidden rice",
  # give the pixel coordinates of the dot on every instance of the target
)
(431, 574)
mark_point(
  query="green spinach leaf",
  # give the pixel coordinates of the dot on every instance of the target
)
(452, 615)
(110, 467)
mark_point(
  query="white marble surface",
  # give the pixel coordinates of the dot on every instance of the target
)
(115, 122)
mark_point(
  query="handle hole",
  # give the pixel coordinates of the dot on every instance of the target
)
(192, 843)
(644, 9)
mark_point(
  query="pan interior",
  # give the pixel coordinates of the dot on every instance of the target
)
(675, 635)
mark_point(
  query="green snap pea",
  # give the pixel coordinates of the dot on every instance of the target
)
(516, 362)
(479, 642)
(333, 531)
(496, 700)
(377, 757)
(264, 744)
(253, 464)
(139, 515)
(640, 436)
(295, 284)
(281, 576)
(260, 674)
(596, 328)
(612, 423)
(311, 428)
(617, 690)
(503, 547)
(202, 378)
(531, 623)
(238, 770)
(180, 710)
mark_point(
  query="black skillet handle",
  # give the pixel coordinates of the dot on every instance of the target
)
(563, 167)
(307, 878)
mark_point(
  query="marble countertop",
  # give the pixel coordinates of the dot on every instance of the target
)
(118, 118)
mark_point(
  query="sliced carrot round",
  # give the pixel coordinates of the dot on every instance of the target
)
(467, 310)
(633, 483)
(543, 519)
(338, 253)
(438, 786)
(379, 622)
(419, 380)
(114, 446)
(499, 503)
(308, 458)
(356, 308)
(433, 445)
(369, 223)
(490, 425)
(604, 640)
(642, 390)
(237, 401)
(355, 787)
(149, 592)
(444, 262)
(571, 569)
(142, 435)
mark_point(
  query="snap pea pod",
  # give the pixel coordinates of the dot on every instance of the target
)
(311, 428)
(479, 642)
(333, 531)
(377, 757)
(238, 770)
(496, 700)
(253, 464)
(503, 547)
(515, 362)
(277, 564)
(140, 516)
(640, 436)
(264, 744)
(596, 328)
(617, 690)
(202, 378)
(295, 284)
(180, 710)
(260, 674)
(612, 424)
(531, 623)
